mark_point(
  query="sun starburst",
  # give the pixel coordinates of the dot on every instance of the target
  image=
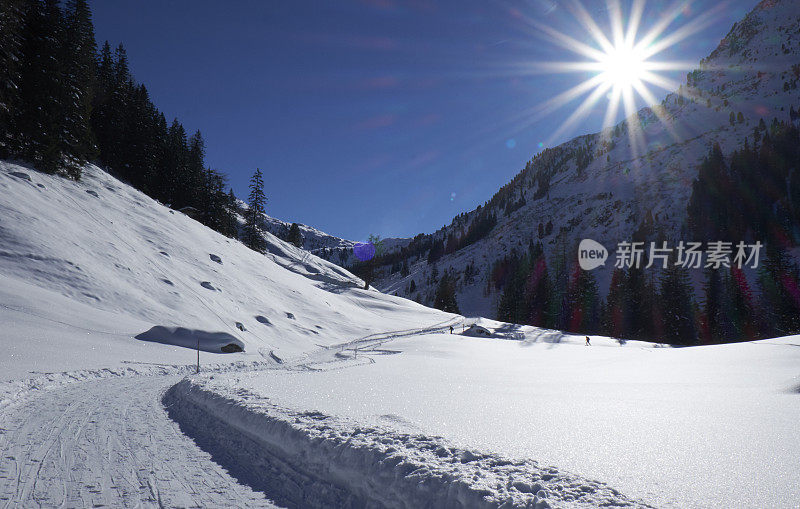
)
(622, 65)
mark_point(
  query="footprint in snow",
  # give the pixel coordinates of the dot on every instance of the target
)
(240, 326)
(208, 285)
(289, 315)
(93, 193)
(215, 258)
(164, 253)
(167, 281)
(263, 319)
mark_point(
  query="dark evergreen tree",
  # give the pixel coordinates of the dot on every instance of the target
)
(583, 301)
(177, 166)
(739, 322)
(218, 207)
(677, 306)
(11, 39)
(779, 279)
(80, 66)
(712, 318)
(254, 217)
(511, 306)
(41, 117)
(445, 298)
(537, 289)
(295, 236)
(613, 317)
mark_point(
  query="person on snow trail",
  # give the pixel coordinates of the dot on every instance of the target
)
(587, 341)
(451, 329)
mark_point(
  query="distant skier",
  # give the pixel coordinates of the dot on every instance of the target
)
(587, 341)
(451, 329)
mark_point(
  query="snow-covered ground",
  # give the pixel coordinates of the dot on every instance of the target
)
(694, 427)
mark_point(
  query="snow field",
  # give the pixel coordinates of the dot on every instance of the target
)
(308, 459)
(704, 427)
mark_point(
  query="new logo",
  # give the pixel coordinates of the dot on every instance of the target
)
(591, 254)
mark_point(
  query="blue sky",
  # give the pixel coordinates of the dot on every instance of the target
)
(371, 116)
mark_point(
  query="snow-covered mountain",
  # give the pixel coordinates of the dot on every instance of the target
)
(323, 245)
(593, 187)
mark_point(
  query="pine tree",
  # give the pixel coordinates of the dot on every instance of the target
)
(195, 167)
(253, 226)
(537, 289)
(612, 320)
(712, 307)
(779, 279)
(446, 295)
(677, 306)
(295, 236)
(583, 301)
(11, 38)
(41, 118)
(739, 322)
(511, 306)
(217, 206)
(80, 79)
(177, 166)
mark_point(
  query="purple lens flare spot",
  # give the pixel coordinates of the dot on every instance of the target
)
(364, 251)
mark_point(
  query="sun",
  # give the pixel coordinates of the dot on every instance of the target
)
(620, 60)
(623, 67)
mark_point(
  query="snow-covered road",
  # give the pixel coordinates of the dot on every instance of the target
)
(108, 442)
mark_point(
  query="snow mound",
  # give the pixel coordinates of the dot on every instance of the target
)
(309, 459)
(215, 342)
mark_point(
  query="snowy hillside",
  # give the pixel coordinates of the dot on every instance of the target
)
(601, 186)
(87, 266)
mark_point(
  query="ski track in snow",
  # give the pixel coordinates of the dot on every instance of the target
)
(108, 442)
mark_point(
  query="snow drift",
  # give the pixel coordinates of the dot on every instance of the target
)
(307, 459)
(216, 342)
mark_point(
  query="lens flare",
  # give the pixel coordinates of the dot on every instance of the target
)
(621, 63)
